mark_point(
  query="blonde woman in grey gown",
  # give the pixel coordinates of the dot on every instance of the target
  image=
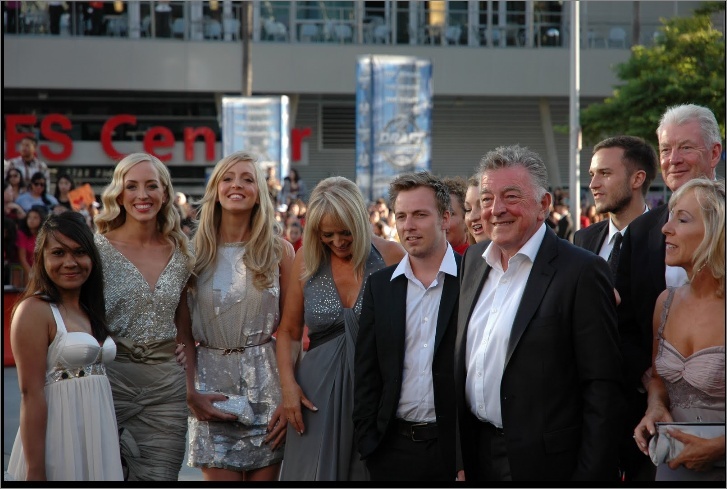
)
(688, 373)
(339, 252)
(242, 268)
(146, 263)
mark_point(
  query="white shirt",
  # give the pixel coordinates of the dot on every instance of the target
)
(416, 402)
(489, 327)
(607, 245)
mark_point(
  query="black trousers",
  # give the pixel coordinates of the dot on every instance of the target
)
(399, 458)
(492, 461)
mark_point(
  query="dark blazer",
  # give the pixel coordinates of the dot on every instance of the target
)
(379, 361)
(592, 237)
(565, 228)
(560, 386)
(639, 281)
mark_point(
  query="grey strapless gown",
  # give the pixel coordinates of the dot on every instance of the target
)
(326, 451)
(696, 389)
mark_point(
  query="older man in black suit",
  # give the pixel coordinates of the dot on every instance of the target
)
(404, 411)
(537, 366)
(689, 147)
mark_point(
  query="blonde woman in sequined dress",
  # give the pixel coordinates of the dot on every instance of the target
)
(146, 263)
(67, 424)
(330, 270)
(242, 269)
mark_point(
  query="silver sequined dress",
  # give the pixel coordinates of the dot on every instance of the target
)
(229, 312)
(149, 388)
(326, 450)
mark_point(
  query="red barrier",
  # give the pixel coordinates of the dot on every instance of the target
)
(9, 298)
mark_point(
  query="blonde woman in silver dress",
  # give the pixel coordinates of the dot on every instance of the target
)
(146, 263)
(243, 266)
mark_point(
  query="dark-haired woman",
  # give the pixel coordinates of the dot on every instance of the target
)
(67, 423)
(27, 235)
(36, 194)
(64, 184)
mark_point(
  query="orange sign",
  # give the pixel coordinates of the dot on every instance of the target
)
(81, 197)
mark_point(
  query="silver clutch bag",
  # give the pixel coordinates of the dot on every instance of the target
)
(240, 407)
(663, 448)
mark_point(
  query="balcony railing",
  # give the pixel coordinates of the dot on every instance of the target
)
(448, 24)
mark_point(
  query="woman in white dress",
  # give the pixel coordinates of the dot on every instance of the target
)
(67, 424)
(242, 269)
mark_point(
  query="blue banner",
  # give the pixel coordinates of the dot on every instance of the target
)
(393, 120)
(258, 125)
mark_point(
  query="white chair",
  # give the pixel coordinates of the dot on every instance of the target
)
(343, 32)
(178, 27)
(146, 26)
(231, 26)
(308, 32)
(616, 37)
(213, 29)
(275, 31)
(452, 34)
(381, 34)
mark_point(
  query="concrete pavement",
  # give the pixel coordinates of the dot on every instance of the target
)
(11, 421)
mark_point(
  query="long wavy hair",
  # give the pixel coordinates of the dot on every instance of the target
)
(264, 250)
(340, 200)
(73, 226)
(113, 215)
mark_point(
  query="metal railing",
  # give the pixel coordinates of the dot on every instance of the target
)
(343, 22)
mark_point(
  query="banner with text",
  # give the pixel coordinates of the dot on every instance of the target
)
(393, 120)
(258, 125)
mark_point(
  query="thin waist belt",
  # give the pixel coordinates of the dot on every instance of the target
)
(317, 339)
(238, 349)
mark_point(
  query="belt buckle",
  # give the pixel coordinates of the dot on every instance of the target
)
(416, 425)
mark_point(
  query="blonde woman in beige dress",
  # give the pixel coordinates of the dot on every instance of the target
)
(146, 263)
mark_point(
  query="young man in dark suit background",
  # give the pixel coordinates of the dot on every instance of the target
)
(404, 410)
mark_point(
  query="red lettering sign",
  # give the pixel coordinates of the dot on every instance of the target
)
(108, 130)
(157, 137)
(166, 141)
(46, 129)
(12, 136)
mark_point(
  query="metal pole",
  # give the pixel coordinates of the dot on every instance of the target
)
(246, 48)
(575, 126)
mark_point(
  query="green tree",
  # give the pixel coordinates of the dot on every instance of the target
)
(685, 65)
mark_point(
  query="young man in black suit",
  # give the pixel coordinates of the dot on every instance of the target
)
(537, 366)
(690, 146)
(622, 169)
(404, 411)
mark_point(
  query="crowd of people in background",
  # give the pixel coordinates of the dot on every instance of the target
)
(459, 329)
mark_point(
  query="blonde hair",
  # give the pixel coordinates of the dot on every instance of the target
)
(340, 200)
(264, 250)
(112, 215)
(710, 253)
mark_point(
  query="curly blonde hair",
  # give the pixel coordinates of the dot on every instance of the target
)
(265, 248)
(112, 215)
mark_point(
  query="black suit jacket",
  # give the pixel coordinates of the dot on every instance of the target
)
(379, 361)
(565, 228)
(592, 237)
(639, 281)
(560, 386)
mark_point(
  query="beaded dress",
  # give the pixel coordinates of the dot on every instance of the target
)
(233, 321)
(81, 437)
(696, 389)
(149, 387)
(326, 450)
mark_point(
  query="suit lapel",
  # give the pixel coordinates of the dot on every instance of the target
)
(600, 237)
(657, 247)
(540, 276)
(446, 306)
